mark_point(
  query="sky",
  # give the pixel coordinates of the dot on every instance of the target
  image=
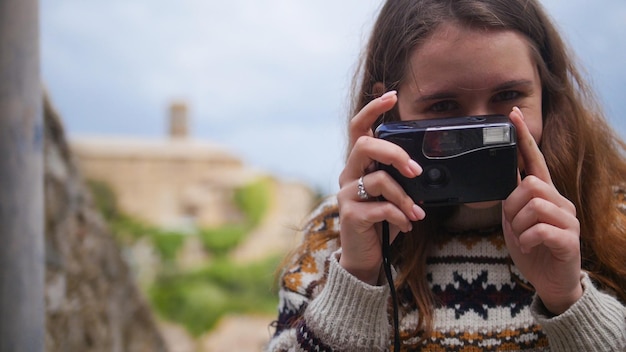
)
(268, 80)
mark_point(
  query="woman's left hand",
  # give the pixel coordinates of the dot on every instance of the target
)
(541, 229)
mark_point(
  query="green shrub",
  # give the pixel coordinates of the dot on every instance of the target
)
(200, 298)
(125, 228)
(167, 243)
(128, 230)
(104, 199)
(254, 199)
(195, 305)
(221, 240)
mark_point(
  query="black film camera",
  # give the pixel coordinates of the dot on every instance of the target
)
(465, 159)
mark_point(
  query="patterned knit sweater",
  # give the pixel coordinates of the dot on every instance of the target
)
(483, 304)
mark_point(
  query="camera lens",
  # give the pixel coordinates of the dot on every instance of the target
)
(435, 177)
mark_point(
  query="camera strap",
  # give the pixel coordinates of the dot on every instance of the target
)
(386, 253)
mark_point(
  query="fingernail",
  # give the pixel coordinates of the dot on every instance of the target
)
(418, 212)
(388, 95)
(415, 168)
(515, 108)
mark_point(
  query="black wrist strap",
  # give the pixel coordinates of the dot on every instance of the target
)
(386, 251)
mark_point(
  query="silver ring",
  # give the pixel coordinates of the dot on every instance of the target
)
(361, 192)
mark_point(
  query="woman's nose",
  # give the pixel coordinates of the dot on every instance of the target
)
(479, 109)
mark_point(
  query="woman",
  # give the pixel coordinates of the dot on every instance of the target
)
(542, 270)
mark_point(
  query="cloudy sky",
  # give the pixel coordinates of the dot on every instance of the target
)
(267, 79)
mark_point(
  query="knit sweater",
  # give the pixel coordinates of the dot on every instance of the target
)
(483, 304)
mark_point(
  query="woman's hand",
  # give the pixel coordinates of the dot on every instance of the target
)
(360, 218)
(541, 229)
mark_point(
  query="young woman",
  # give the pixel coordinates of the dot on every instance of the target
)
(543, 270)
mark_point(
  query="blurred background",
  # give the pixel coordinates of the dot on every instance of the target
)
(206, 130)
(269, 80)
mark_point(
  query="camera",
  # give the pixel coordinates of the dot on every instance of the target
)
(464, 159)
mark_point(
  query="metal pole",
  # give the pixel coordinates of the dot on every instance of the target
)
(22, 313)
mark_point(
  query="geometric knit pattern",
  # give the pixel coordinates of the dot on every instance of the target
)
(482, 302)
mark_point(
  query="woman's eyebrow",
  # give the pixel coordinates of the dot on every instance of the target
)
(512, 84)
(443, 95)
(436, 96)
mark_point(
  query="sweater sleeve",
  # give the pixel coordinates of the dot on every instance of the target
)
(348, 315)
(597, 322)
(324, 308)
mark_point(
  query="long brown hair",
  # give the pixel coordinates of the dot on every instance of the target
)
(584, 155)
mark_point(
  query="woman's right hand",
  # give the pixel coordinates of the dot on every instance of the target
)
(360, 218)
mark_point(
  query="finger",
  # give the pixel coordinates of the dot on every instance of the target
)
(532, 158)
(509, 234)
(361, 124)
(532, 187)
(562, 243)
(368, 150)
(380, 183)
(541, 211)
(362, 216)
(394, 231)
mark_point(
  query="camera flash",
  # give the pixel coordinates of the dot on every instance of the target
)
(496, 135)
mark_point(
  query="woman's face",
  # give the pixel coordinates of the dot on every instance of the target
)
(461, 71)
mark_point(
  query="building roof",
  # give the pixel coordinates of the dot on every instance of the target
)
(118, 147)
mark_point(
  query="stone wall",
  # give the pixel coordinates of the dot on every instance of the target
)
(92, 302)
(167, 182)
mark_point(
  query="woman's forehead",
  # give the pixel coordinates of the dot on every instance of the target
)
(472, 58)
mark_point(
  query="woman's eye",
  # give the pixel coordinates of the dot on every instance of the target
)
(506, 96)
(444, 106)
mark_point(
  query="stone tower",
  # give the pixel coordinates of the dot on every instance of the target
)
(178, 120)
